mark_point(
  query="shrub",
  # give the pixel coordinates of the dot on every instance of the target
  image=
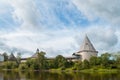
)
(77, 66)
(10, 65)
(23, 67)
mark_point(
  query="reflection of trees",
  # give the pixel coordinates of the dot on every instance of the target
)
(11, 75)
(1, 76)
(60, 76)
(32, 75)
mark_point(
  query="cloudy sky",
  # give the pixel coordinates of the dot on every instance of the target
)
(58, 26)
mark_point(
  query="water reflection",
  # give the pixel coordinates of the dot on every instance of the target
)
(31, 75)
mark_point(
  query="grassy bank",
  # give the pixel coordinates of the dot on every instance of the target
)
(69, 70)
(86, 70)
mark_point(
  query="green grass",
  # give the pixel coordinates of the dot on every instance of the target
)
(86, 70)
(71, 70)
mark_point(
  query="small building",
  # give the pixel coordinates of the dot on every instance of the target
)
(87, 50)
(23, 60)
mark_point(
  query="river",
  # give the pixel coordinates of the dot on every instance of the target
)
(25, 75)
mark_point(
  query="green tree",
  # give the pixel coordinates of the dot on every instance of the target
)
(118, 62)
(105, 59)
(93, 61)
(69, 64)
(85, 64)
(29, 62)
(60, 62)
(5, 56)
(35, 66)
(99, 60)
(23, 66)
(78, 65)
(18, 58)
(10, 65)
(50, 63)
(32, 64)
(41, 60)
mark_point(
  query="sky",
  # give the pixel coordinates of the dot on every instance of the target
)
(58, 27)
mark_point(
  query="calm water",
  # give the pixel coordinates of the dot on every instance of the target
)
(57, 76)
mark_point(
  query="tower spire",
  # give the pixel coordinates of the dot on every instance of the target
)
(87, 45)
(87, 50)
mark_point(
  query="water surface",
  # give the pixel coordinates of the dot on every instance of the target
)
(11, 75)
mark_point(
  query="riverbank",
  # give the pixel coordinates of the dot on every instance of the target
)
(87, 70)
(69, 70)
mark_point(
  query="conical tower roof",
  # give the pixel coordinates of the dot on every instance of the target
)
(34, 55)
(87, 45)
(12, 57)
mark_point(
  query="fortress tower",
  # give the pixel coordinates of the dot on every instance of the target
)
(87, 50)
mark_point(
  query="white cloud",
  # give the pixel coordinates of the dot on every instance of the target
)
(25, 12)
(40, 27)
(106, 34)
(108, 10)
(3, 6)
(105, 38)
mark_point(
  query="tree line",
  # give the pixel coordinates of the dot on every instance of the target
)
(105, 61)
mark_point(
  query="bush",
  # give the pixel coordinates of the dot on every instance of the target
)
(62, 68)
(35, 66)
(10, 65)
(23, 67)
(78, 66)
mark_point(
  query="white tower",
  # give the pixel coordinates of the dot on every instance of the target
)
(87, 50)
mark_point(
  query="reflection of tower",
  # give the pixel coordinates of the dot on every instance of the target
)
(87, 50)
